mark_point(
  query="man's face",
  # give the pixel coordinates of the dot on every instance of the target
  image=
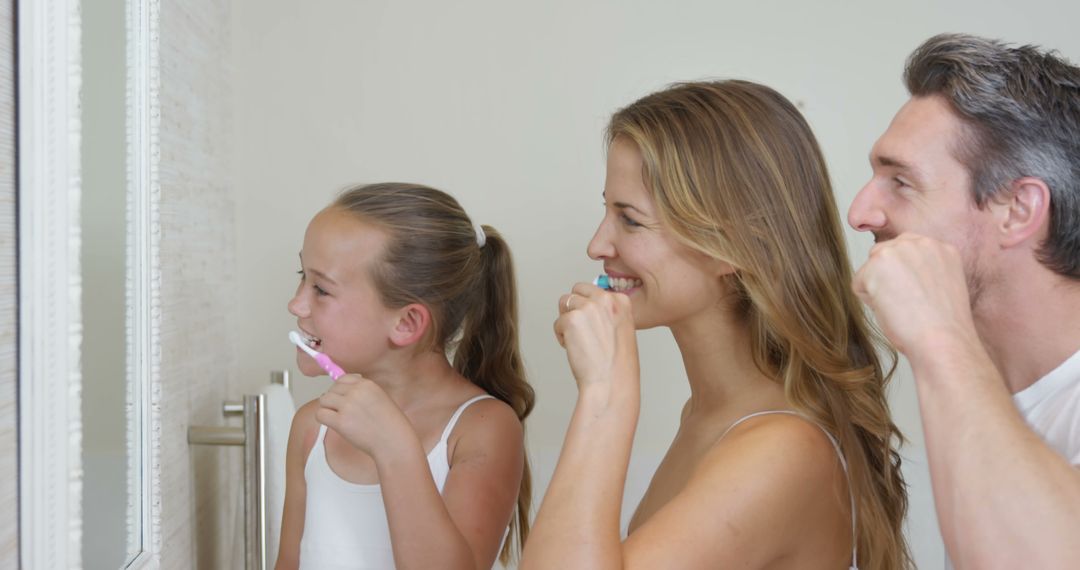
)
(919, 186)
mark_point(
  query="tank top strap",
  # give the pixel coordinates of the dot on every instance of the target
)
(457, 415)
(843, 464)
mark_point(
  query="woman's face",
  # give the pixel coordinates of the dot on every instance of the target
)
(666, 280)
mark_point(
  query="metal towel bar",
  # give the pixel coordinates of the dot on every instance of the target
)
(252, 436)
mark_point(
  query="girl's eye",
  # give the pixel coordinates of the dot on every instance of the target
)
(318, 290)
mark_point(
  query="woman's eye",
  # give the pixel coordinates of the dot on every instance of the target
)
(319, 291)
(628, 221)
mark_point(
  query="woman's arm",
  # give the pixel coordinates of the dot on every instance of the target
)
(578, 522)
(301, 439)
(748, 502)
(461, 528)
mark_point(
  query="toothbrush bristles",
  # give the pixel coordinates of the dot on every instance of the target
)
(299, 341)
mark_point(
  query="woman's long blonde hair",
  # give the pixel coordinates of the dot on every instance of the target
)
(737, 174)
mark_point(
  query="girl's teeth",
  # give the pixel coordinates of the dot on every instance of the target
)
(312, 341)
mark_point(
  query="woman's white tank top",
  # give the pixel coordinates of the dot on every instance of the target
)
(345, 526)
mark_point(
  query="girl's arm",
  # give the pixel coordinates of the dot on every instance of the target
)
(465, 526)
(461, 528)
(301, 439)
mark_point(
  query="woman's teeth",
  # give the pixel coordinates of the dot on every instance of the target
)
(623, 284)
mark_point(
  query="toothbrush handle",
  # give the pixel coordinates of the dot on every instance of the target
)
(329, 366)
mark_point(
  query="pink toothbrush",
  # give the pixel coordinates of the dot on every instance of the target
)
(321, 359)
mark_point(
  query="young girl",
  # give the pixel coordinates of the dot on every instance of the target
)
(720, 224)
(407, 461)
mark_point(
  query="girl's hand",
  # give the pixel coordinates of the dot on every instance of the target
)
(596, 328)
(362, 413)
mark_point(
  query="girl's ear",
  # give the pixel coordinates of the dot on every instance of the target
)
(412, 322)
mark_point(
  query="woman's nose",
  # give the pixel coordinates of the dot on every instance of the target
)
(600, 246)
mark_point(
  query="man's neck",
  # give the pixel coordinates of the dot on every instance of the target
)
(1030, 326)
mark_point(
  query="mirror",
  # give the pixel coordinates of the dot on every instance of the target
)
(110, 451)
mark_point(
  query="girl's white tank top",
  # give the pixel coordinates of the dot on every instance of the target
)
(345, 526)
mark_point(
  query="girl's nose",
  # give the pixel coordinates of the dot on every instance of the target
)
(298, 305)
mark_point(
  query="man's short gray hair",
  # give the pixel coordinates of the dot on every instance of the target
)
(1021, 107)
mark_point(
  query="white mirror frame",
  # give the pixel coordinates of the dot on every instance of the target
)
(144, 277)
(50, 288)
(50, 427)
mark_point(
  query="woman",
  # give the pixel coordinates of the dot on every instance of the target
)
(720, 224)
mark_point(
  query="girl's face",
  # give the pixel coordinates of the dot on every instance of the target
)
(336, 302)
(666, 280)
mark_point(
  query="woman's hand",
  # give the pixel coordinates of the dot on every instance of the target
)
(596, 328)
(362, 413)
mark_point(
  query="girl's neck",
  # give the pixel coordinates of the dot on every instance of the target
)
(411, 379)
(717, 354)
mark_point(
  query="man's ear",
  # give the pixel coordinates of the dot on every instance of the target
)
(1025, 211)
(412, 322)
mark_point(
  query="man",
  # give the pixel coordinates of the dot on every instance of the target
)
(975, 207)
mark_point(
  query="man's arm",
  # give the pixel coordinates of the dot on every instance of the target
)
(1004, 498)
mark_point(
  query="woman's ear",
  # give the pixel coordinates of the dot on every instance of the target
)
(412, 322)
(1025, 211)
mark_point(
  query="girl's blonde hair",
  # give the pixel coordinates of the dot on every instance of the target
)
(434, 257)
(736, 173)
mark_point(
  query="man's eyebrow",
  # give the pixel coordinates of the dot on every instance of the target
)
(893, 162)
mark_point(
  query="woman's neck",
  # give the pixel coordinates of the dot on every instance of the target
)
(718, 357)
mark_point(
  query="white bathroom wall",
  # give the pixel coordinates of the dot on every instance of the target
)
(503, 104)
(9, 535)
(201, 487)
